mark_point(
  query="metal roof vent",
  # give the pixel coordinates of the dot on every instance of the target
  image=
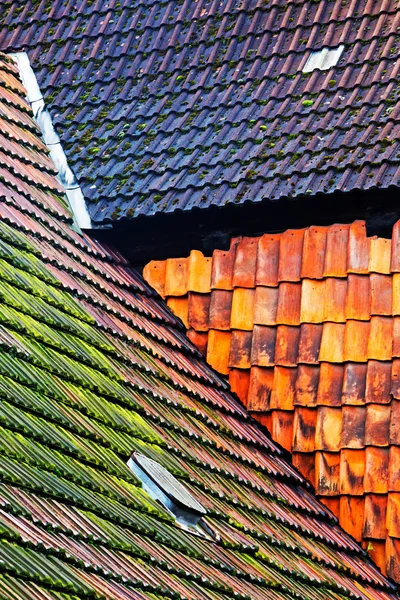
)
(164, 487)
(323, 59)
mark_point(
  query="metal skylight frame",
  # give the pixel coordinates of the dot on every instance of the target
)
(323, 59)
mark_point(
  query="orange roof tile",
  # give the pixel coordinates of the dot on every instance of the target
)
(307, 326)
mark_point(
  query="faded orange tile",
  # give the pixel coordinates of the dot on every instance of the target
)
(376, 470)
(356, 341)
(380, 338)
(358, 301)
(289, 299)
(312, 307)
(282, 428)
(327, 473)
(305, 463)
(393, 469)
(199, 272)
(242, 315)
(199, 310)
(352, 469)
(286, 347)
(314, 253)
(328, 433)
(358, 249)
(396, 294)
(336, 251)
(306, 387)
(380, 255)
(244, 270)
(395, 249)
(283, 389)
(290, 255)
(218, 350)
(239, 381)
(305, 421)
(180, 308)
(332, 343)
(374, 526)
(393, 515)
(265, 305)
(268, 260)
(176, 277)
(353, 427)
(261, 381)
(154, 274)
(330, 384)
(377, 424)
(352, 515)
(222, 268)
(378, 382)
(335, 300)
(381, 294)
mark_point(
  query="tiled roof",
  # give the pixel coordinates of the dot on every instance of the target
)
(92, 367)
(180, 105)
(306, 324)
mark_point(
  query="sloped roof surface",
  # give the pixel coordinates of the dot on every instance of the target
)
(306, 324)
(94, 366)
(171, 105)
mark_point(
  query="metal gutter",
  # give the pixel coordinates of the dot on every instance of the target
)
(43, 118)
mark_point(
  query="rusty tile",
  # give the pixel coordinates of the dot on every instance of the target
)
(333, 503)
(220, 309)
(394, 425)
(393, 474)
(376, 470)
(309, 343)
(261, 380)
(287, 344)
(242, 309)
(239, 356)
(244, 270)
(375, 517)
(358, 302)
(305, 463)
(307, 385)
(199, 339)
(199, 277)
(380, 251)
(268, 260)
(222, 268)
(265, 305)
(381, 294)
(377, 424)
(380, 338)
(289, 299)
(290, 255)
(332, 343)
(199, 310)
(393, 515)
(327, 473)
(283, 390)
(336, 251)
(305, 421)
(393, 551)
(396, 337)
(176, 277)
(312, 306)
(354, 383)
(330, 384)
(352, 515)
(395, 379)
(180, 308)
(359, 248)
(352, 468)
(265, 418)
(395, 250)
(218, 350)
(328, 434)
(378, 382)
(396, 294)
(154, 274)
(282, 428)
(335, 300)
(377, 552)
(239, 380)
(314, 253)
(263, 346)
(356, 341)
(353, 427)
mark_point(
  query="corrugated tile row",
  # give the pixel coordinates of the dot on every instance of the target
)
(94, 366)
(166, 106)
(306, 324)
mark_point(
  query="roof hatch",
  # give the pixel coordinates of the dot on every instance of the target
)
(323, 59)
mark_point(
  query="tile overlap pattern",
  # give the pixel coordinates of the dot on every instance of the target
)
(306, 324)
(174, 105)
(94, 366)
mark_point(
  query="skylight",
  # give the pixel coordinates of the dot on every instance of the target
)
(323, 59)
(164, 487)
